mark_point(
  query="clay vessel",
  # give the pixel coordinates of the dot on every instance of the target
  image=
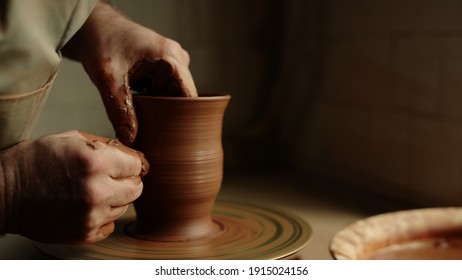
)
(415, 234)
(181, 139)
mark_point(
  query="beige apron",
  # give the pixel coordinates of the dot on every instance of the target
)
(31, 36)
(19, 114)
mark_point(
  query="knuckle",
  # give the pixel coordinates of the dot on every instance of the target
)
(173, 45)
(107, 67)
(96, 196)
(96, 230)
(135, 190)
(104, 74)
(90, 165)
(176, 49)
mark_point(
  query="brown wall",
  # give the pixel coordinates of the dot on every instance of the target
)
(365, 91)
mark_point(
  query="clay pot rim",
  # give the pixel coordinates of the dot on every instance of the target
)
(202, 97)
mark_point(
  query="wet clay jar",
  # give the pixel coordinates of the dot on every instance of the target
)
(181, 139)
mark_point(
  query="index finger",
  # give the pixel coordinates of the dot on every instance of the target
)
(125, 150)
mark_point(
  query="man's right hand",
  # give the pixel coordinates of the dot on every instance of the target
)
(68, 187)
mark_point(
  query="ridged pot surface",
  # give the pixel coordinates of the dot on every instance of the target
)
(181, 139)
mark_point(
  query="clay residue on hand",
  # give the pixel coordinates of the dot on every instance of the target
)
(144, 164)
(91, 141)
(129, 127)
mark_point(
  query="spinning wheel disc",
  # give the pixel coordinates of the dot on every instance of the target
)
(247, 232)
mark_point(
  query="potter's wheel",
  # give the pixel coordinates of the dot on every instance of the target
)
(248, 232)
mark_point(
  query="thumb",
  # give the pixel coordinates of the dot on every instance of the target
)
(118, 101)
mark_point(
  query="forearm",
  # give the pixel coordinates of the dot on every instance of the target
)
(2, 202)
(8, 171)
(102, 19)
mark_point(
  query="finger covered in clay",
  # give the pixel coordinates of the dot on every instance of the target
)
(92, 139)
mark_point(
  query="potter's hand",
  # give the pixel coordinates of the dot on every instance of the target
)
(68, 187)
(117, 53)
